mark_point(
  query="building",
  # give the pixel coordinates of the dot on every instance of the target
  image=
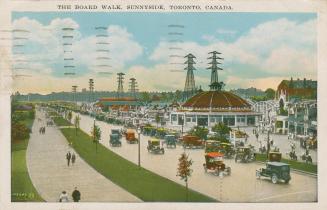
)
(302, 118)
(119, 104)
(301, 89)
(208, 108)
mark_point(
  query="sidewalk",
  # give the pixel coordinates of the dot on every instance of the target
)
(47, 167)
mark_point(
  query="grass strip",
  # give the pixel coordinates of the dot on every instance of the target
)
(302, 166)
(59, 121)
(142, 183)
(22, 189)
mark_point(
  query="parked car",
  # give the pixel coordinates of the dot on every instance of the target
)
(155, 146)
(276, 171)
(114, 140)
(244, 154)
(214, 162)
(170, 141)
(227, 149)
(130, 137)
(190, 141)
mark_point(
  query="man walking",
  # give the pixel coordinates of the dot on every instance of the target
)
(76, 195)
(73, 158)
(68, 157)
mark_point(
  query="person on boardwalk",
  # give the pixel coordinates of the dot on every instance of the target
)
(73, 158)
(63, 197)
(68, 157)
(76, 195)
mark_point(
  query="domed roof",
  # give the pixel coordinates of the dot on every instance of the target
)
(216, 100)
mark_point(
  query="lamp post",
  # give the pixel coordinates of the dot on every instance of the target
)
(268, 142)
(139, 146)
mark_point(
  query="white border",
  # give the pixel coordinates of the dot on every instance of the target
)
(318, 6)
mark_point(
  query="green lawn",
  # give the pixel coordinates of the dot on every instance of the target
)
(61, 121)
(298, 165)
(22, 188)
(144, 184)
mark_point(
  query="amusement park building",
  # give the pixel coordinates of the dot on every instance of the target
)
(208, 108)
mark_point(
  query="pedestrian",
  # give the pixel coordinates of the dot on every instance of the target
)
(68, 157)
(73, 158)
(257, 136)
(63, 197)
(246, 138)
(76, 195)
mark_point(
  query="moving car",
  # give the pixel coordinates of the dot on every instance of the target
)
(170, 141)
(130, 137)
(244, 154)
(276, 171)
(114, 140)
(214, 162)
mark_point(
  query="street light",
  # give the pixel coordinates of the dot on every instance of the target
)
(139, 146)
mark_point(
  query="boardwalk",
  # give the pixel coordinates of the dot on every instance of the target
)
(50, 174)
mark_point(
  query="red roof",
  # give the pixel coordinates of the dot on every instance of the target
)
(216, 99)
(215, 154)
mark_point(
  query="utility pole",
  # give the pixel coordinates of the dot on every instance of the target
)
(91, 89)
(189, 87)
(214, 84)
(74, 90)
(133, 87)
(120, 89)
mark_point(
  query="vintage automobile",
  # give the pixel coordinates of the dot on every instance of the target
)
(114, 140)
(190, 141)
(244, 154)
(155, 146)
(170, 141)
(130, 137)
(227, 149)
(116, 131)
(214, 162)
(161, 133)
(212, 146)
(276, 171)
(240, 134)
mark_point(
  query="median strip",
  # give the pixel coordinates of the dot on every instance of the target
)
(142, 183)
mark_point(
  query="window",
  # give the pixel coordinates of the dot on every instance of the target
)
(173, 117)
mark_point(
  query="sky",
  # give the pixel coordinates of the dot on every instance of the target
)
(64, 49)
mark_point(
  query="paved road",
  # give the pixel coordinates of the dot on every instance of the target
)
(50, 174)
(241, 186)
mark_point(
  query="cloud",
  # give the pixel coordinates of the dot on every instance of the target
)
(226, 32)
(274, 49)
(46, 45)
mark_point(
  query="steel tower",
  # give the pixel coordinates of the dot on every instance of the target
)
(133, 87)
(189, 88)
(214, 84)
(120, 90)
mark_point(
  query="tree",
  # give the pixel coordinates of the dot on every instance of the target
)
(76, 123)
(69, 116)
(200, 132)
(184, 170)
(270, 93)
(145, 97)
(221, 129)
(96, 135)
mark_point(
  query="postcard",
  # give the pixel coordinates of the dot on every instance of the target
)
(156, 104)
